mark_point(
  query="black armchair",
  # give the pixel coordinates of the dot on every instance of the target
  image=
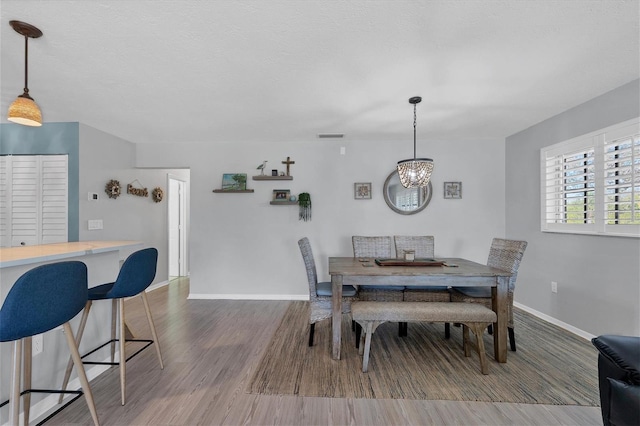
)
(619, 379)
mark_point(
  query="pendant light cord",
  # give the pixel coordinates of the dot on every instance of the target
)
(26, 64)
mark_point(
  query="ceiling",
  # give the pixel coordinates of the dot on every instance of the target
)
(285, 70)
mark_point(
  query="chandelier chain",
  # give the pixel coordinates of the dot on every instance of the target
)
(414, 130)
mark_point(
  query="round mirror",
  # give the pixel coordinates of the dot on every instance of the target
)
(405, 200)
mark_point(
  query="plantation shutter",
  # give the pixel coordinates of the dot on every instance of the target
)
(568, 180)
(5, 207)
(54, 199)
(621, 178)
(34, 199)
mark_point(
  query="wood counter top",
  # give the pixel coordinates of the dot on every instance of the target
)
(14, 256)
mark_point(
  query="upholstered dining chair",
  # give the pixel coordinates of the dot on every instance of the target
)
(136, 274)
(320, 292)
(505, 255)
(42, 299)
(423, 247)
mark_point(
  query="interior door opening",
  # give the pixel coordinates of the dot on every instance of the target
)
(177, 228)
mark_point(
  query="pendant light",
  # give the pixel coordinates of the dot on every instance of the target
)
(24, 110)
(415, 172)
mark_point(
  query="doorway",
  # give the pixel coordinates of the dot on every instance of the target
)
(177, 219)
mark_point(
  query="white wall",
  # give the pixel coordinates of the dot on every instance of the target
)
(104, 157)
(243, 247)
(598, 277)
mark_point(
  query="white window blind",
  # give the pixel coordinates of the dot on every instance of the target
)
(34, 199)
(591, 184)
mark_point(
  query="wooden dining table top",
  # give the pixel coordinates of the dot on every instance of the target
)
(453, 267)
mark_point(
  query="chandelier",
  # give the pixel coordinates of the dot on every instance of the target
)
(415, 172)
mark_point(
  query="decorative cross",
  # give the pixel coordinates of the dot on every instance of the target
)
(288, 163)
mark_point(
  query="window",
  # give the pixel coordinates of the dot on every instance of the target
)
(591, 184)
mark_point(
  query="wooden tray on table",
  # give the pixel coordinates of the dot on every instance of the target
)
(416, 262)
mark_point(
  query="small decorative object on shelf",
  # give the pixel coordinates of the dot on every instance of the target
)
(453, 190)
(261, 167)
(304, 200)
(288, 163)
(112, 188)
(157, 194)
(362, 190)
(293, 198)
(274, 172)
(138, 192)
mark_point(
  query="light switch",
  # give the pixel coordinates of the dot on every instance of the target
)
(95, 224)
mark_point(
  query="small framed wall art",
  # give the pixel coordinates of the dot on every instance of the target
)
(362, 190)
(234, 181)
(453, 190)
(281, 194)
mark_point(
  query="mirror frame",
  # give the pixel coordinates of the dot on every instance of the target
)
(427, 191)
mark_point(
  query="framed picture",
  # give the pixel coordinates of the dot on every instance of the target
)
(453, 190)
(234, 181)
(362, 190)
(281, 194)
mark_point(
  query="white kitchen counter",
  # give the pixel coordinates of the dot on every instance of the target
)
(15, 256)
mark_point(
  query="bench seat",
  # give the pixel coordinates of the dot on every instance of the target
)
(471, 315)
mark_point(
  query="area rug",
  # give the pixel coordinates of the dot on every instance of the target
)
(550, 366)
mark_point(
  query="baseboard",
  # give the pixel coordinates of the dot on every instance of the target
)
(555, 321)
(157, 285)
(249, 296)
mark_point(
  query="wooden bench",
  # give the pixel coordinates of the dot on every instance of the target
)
(472, 316)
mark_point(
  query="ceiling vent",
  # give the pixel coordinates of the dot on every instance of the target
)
(330, 135)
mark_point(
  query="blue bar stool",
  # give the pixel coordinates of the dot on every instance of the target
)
(40, 300)
(136, 274)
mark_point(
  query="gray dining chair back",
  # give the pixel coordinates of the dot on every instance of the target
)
(320, 293)
(376, 247)
(506, 255)
(423, 246)
(371, 246)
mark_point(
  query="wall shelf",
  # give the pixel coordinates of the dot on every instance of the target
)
(234, 191)
(265, 177)
(283, 203)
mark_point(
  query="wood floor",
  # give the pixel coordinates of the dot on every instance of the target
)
(210, 350)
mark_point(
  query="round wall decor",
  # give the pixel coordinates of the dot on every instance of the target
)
(157, 194)
(112, 188)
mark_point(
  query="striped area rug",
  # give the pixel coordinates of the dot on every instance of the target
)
(551, 365)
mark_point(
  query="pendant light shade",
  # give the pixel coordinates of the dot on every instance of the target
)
(415, 172)
(24, 110)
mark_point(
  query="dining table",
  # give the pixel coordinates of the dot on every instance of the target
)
(449, 272)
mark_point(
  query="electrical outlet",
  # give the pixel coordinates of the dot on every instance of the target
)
(37, 343)
(554, 287)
